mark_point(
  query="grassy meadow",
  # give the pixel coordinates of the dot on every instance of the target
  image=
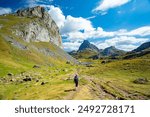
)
(52, 78)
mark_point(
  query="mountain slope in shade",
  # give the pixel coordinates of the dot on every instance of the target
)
(88, 50)
(86, 45)
(142, 47)
(85, 50)
(141, 51)
(112, 51)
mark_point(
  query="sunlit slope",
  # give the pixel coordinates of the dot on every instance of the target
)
(17, 55)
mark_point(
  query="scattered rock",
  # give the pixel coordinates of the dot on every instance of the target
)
(65, 70)
(43, 83)
(141, 81)
(103, 62)
(106, 61)
(11, 80)
(125, 68)
(37, 80)
(68, 62)
(27, 79)
(89, 65)
(22, 73)
(36, 66)
(10, 74)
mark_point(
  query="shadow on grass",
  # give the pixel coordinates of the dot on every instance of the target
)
(69, 90)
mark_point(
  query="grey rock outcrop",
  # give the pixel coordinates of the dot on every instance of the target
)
(41, 28)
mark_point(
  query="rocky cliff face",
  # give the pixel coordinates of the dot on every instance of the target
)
(41, 28)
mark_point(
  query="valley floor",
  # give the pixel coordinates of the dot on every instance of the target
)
(109, 81)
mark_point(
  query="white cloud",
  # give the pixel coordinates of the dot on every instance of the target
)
(73, 24)
(105, 5)
(77, 29)
(71, 27)
(92, 17)
(122, 42)
(142, 31)
(57, 16)
(69, 46)
(5, 10)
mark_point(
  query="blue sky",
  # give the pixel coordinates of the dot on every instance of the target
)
(124, 24)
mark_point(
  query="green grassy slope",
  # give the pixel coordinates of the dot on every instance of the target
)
(18, 58)
(54, 78)
(15, 59)
(117, 77)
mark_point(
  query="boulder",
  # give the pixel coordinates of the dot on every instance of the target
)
(27, 79)
(10, 74)
(141, 81)
(43, 83)
(36, 66)
(68, 62)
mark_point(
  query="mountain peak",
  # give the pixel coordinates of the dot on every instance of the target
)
(40, 28)
(87, 45)
(111, 47)
(112, 51)
(37, 11)
(86, 42)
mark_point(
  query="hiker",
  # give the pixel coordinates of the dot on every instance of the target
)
(76, 80)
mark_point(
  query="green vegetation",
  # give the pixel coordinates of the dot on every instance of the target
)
(40, 70)
(116, 77)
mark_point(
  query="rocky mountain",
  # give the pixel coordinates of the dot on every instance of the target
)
(112, 51)
(85, 50)
(41, 28)
(141, 51)
(86, 45)
(30, 37)
(142, 47)
(88, 50)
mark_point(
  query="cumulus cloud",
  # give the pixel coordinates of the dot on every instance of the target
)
(69, 24)
(105, 5)
(5, 10)
(122, 42)
(142, 31)
(77, 29)
(57, 15)
(73, 24)
(69, 46)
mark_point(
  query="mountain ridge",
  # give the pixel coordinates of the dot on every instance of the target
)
(43, 28)
(142, 47)
(87, 45)
(22, 45)
(88, 50)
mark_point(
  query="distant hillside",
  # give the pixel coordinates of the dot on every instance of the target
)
(85, 50)
(112, 51)
(142, 47)
(142, 51)
(86, 45)
(27, 38)
(88, 50)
